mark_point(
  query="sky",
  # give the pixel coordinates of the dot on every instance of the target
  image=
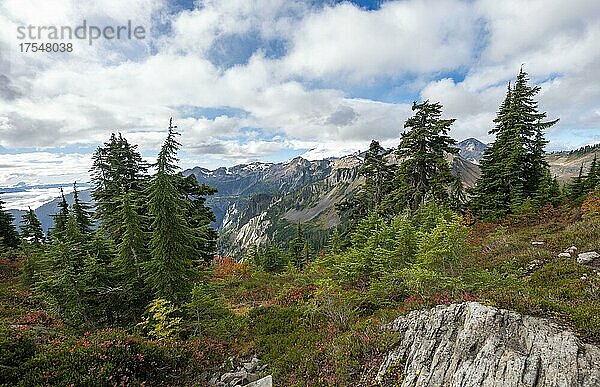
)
(269, 80)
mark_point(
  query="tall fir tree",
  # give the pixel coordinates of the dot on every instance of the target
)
(116, 166)
(199, 216)
(577, 187)
(8, 233)
(131, 250)
(61, 218)
(335, 242)
(513, 168)
(378, 175)
(82, 212)
(458, 197)
(592, 180)
(295, 248)
(31, 228)
(271, 259)
(171, 268)
(423, 174)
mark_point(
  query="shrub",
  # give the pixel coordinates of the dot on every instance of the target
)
(206, 311)
(161, 321)
(16, 347)
(226, 267)
(591, 204)
(112, 357)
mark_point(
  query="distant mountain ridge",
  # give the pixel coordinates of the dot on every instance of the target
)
(260, 201)
(45, 211)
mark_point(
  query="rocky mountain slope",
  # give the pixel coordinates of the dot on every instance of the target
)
(471, 344)
(256, 201)
(566, 165)
(471, 149)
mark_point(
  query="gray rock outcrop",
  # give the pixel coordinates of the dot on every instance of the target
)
(242, 374)
(587, 257)
(471, 344)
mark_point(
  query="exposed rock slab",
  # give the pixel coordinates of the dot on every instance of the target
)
(471, 344)
(585, 258)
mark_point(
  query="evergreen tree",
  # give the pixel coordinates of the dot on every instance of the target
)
(199, 216)
(61, 218)
(252, 255)
(61, 284)
(577, 188)
(82, 212)
(171, 270)
(549, 191)
(31, 228)
(272, 259)
(423, 174)
(116, 166)
(306, 252)
(131, 250)
(530, 127)
(592, 180)
(458, 198)
(295, 249)
(8, 233)
(513, 168)
(335, 242)
(496, 186)
(377, 174)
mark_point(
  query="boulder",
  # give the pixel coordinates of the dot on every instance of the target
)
(267, 381)
(564, 255)
(537, 243)
(587, 257)
(470, 345)
(571, 250)
(230, 376)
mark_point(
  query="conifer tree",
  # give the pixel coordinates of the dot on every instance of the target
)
(116, 166)
(199, 216)
(295, 249)
(513, 168)
(335, 243)
(171, 268)
(272, 259)
(423, 174)
(458, 198)
(82, 212)
(592, 180)
(577, 188)
(377, 174)
(131, 250)
(495, 187)
(549, 191)
(8, 233)
(31, 228)
(61, 218)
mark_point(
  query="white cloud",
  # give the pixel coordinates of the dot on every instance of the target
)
(35, 168)
(407, 36)
(133, 87)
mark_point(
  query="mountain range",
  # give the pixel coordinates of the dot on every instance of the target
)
(260, 202)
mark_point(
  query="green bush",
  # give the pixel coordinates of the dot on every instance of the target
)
(16, 347)
(109, 357)
(161, 321)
